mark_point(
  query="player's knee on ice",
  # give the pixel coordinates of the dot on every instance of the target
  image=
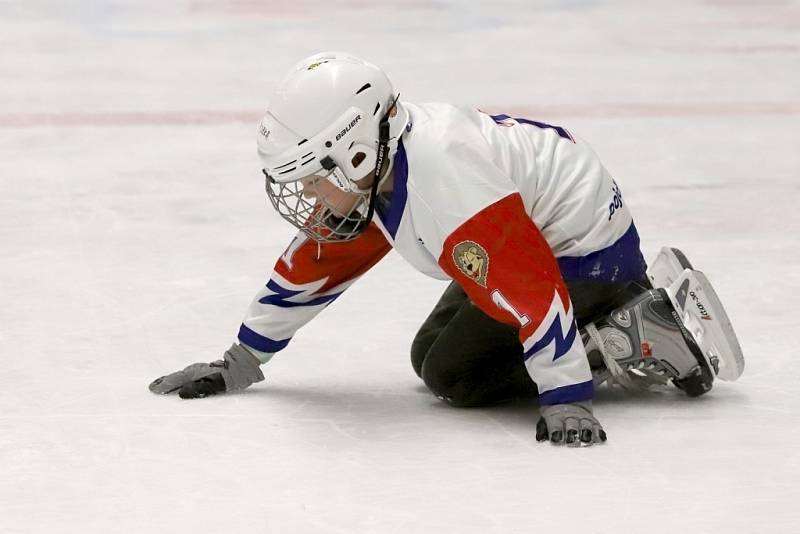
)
(467, 358)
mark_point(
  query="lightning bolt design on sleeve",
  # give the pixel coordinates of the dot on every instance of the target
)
(555, 355)
(306, 279)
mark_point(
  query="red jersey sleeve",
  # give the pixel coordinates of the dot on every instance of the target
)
(509, 271)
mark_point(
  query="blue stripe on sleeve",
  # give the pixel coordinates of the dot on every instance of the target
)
(566, 394)
(281, 296)
(259, 342)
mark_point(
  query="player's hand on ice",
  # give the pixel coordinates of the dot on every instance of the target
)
(573, 424)
(236, 371)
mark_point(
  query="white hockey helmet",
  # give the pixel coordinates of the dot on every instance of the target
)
(324, 120)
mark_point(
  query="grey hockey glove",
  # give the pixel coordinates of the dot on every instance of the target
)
(238, 369)
(573, 423)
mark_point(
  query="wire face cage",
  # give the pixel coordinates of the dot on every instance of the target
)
(320, 214)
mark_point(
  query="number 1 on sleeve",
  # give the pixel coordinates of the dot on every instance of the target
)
(502, 303)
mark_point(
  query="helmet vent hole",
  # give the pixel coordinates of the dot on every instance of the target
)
(301, 142)
(377, 107)
(358, 159)
(286, 164)
(364, 88)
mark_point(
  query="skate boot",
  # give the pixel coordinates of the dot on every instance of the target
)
(644, 344)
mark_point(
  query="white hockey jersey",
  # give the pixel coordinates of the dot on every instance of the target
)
(507, 207)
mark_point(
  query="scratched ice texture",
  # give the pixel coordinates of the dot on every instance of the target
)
(134, 232)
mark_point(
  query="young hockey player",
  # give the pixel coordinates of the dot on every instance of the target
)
(549, 294)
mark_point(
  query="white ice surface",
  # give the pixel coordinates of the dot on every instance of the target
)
(135, 232)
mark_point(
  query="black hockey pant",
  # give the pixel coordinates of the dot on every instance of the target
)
(469, 359)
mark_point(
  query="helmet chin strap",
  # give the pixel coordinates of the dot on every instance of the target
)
(381, 162)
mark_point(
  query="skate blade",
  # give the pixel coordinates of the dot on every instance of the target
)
(705, 319)
(667, 267)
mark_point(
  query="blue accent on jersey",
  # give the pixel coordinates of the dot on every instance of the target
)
(281, 295)
(559, 130)
(391, 217)
(566, 394)
(620, 262)
(259, 342)
(554, 334)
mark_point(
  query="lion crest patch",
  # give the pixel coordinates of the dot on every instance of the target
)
(472, 260)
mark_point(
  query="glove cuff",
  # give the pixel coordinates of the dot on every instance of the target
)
(242, 368)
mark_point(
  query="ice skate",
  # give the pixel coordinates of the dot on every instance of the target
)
(643, 344)
(678, 332)
(700, 310)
